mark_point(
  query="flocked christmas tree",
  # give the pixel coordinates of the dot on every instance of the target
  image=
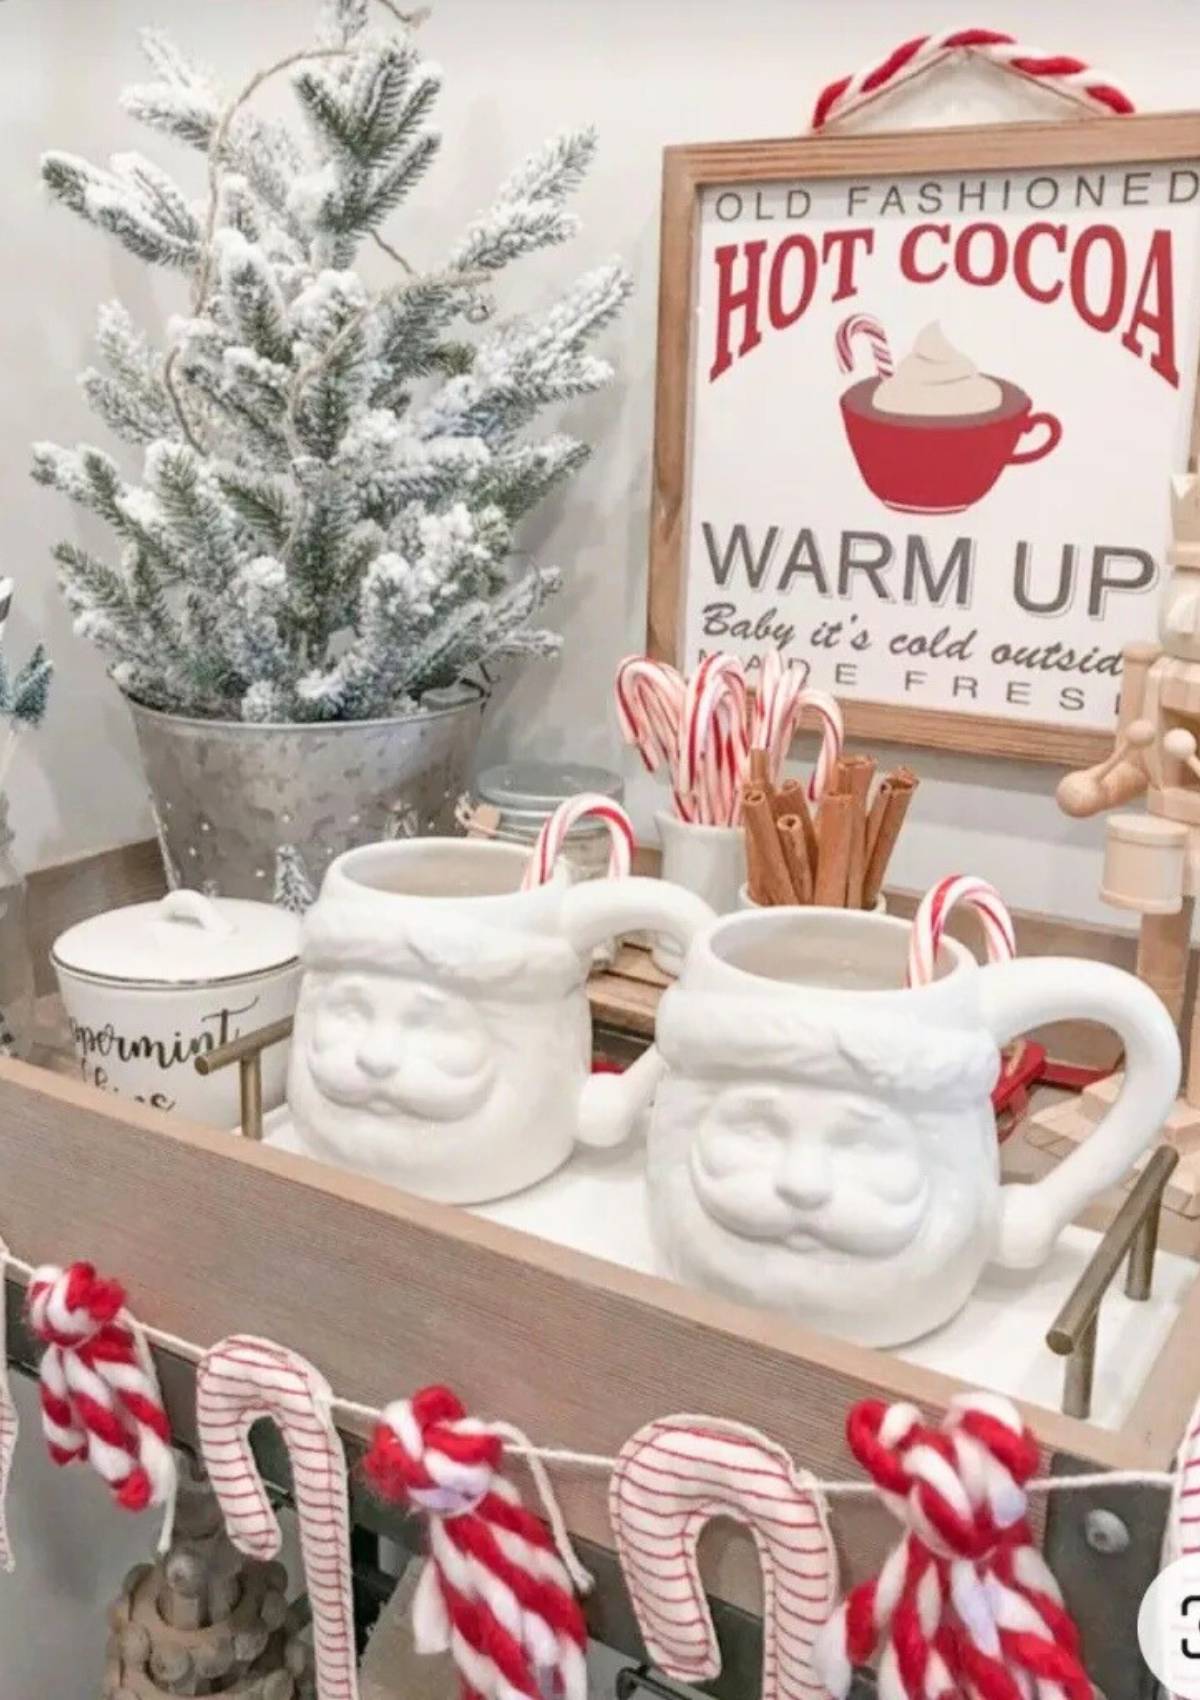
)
(331, 475)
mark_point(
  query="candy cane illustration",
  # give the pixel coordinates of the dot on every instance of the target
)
(8, 1425)
(239, 1380)
(673, 1476)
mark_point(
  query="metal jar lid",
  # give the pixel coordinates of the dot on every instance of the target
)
(526, 792)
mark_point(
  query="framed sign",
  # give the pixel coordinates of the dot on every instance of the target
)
(919, 398)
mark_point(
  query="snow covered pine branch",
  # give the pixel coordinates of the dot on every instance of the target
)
(331, 477)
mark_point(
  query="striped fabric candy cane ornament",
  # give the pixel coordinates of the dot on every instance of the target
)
(8, 1425)
(929, 924)
(238, 1381)
(99, 1391)
(553, 835)
(861, 327)
(673, 1476)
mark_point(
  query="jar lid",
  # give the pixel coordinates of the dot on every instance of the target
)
(185, 939)
(538, 787)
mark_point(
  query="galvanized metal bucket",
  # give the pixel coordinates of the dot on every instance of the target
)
(236, 801)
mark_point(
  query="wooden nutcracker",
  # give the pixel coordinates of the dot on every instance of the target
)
(206, 1620)
(1152, 860)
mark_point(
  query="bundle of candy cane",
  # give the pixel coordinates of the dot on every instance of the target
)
(702, 729)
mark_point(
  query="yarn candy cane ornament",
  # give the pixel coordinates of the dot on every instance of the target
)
(238, 1381)
(494, 1591)
(673, 1476)
(99, 1393)
(8, 1424)
(965, 1604)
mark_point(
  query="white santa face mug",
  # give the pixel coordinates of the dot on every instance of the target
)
(823, 1143)
(443, 1037)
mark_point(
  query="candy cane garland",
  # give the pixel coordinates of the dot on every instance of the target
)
(239, 1380)
(929, 924)
(99, 1393)
(965, 1604)
(673, 1476)
(871, 332)
(8, 1421)
(494, 1592)
(1065, 75)
(553, 836)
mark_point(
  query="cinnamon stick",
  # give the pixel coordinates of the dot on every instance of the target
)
(887, 817)
(768, 878)
(793, 841)
(792, 799)
(835, 828)
(859, 772)
(759, 772)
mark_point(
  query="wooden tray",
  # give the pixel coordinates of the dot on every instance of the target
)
(385, 1292)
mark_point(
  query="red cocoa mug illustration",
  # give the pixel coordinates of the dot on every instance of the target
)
(933, 435)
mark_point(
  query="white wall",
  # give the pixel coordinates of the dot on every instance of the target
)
(648, 72)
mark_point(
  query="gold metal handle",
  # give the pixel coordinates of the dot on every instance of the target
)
(1134, 1229)
(246, 1051)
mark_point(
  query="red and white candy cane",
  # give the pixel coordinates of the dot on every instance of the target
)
(929, 923)
(8, 1425)
(833, 738)
(714, 741)
(495, 1594)
(649, 696)
(100, 1396)
(239, 1380)
(553, 835)
(965, 1604)
(1065, 75)
(671, 1478)
(861, 327)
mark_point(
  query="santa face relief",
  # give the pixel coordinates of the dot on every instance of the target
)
(391, 1046)
(763, 1172)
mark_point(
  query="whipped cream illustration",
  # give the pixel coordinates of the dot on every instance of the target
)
(936, 378)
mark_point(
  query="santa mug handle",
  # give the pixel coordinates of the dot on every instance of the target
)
(1020, 995)
(1022, 457)
(592, 913)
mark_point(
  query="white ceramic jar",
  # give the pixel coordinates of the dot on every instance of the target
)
(150, 988)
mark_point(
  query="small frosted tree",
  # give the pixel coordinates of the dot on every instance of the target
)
(331, 476)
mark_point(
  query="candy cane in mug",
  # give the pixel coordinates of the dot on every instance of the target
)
(862, 327)
(649, 697)
(929, 923)
(714, 741)
(567, 815)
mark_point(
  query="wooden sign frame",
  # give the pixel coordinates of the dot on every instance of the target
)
(687, 172)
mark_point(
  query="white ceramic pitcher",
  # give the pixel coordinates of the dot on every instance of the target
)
(823, 1142)
(443, 1038)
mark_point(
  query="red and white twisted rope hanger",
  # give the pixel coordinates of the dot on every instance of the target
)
(1060, 72)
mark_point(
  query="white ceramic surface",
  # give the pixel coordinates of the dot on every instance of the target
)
(745, 901)
(149, 988)
(443, 1038)
(709, 860)
(823, 1141)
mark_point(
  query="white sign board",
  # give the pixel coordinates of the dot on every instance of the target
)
(932, 422)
